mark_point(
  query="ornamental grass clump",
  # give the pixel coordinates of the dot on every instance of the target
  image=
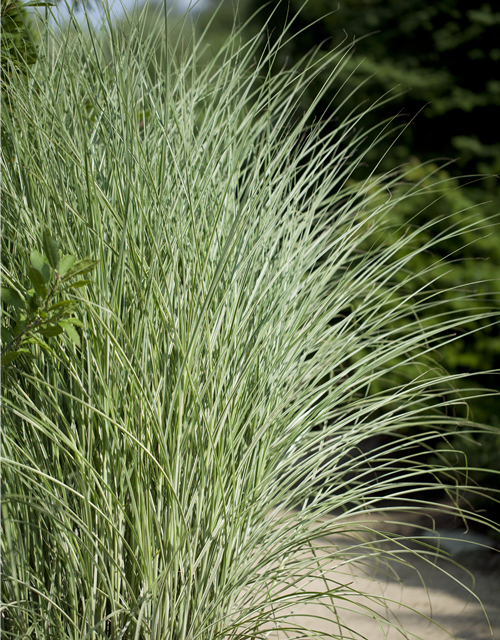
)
(173, 472)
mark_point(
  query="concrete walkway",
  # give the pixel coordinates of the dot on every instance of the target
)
(449, 609)
(444, 601)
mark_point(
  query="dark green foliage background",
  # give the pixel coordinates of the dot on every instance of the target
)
(438, 62)
(18, 50)
(442, 56)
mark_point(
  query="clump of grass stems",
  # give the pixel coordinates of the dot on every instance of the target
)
(173, 478)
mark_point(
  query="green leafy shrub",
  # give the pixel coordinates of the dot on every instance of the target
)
(465, 265)
(18, 42)
(40, 312)
(175, 475)
(464, 268)
(437, 64)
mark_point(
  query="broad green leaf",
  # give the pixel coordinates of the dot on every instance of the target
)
(63, 313)
(33, 300)
(80, 283)
(38, 281)
(61, 304)
(20, 326)
(75, 321)
(71, 331)
(8, 357)
(41, 343)
(40, 264)
(6, 336)
(51, 331)
(51, 249)
(66, 263)
(33, 340)
(9, 296)
(80, 267)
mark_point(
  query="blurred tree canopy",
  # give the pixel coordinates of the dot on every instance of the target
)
(439, 61)
(18, 47)
(442, 56)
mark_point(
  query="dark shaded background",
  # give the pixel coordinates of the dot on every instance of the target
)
(440, 62)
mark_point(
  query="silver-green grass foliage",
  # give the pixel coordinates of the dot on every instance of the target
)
(175, 474)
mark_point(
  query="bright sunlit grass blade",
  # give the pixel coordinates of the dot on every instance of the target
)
(248, 329)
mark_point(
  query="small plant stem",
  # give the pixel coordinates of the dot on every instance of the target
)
(15, 343)
(17, 340)
(7, 8)
(51, 293)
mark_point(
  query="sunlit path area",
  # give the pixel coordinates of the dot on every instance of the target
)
(424, 597)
